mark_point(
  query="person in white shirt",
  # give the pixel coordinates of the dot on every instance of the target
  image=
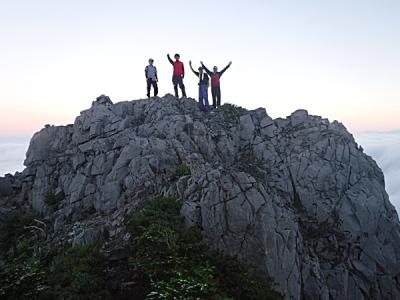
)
(151, 78)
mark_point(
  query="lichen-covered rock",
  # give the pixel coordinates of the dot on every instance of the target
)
(296, 199)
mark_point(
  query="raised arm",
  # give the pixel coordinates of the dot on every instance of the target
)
(205, 68)
(224, 69)
(170, 60)
(191, 67)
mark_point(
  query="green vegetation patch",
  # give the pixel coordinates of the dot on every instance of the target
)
(74, 273)
(182, 170)
(23, 279)
(170, 261)
(179, 264)
(232, 112)
(77, 273)
(12, 230)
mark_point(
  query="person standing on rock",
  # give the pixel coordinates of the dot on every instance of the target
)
(204, 83)
(151, 78)
(178, 75)
(215, 83)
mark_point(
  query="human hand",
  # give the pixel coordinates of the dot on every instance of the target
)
(230, 63)
(201, 62)
(190, 62)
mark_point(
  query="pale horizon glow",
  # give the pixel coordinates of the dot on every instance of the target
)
(338, 59)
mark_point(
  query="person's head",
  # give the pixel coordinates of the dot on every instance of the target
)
(151, 61)
(201, 70)
(215, 69)
(177, 56)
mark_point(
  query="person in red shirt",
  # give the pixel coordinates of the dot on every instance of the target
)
(215, 85)
(178, 75)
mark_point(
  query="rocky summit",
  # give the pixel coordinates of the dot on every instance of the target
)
(294, 198)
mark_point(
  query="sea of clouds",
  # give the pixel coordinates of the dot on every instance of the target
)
(12, 154)
(384, 147)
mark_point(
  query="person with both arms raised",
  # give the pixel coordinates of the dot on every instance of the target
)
(151, 78)
(204, 83)
(215, 83)
(178, 75)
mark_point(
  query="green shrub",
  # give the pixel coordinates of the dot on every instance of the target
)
(183, 285)
(23, 246)
(182, 170)
(23, 279)
(178, 263)
(232, 107)
(77, 273)
(231, 112)
(164, 211)
(12, 228)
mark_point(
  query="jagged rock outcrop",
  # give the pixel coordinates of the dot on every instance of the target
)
(296, 199)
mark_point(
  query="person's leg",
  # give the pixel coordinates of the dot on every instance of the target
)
(175, 82)
(155, 87)
(205, 96)
(214, 96)
(148, 87)
(201, 106)
(218, 97)
(182, 87)
(176, 90)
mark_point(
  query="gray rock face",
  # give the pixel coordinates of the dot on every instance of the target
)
(296, 199)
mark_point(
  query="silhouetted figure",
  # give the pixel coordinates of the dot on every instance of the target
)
(215, 83)
(204, 83)
(151, 78)
(178, 75)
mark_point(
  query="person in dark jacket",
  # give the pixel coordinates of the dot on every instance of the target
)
(215, 83)
(178, 75)
(204, 83)
(151, 78)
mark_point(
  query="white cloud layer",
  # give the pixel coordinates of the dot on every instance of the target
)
(383, 147)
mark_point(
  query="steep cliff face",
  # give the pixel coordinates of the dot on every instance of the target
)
(296, 199)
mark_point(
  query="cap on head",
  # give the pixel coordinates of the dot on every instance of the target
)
(215, 68)
(200, 68)
(177, 55)
(151, 60)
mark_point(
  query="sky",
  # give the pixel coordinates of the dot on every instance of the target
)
(338, 59)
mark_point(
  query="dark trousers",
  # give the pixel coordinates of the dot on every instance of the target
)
(178, 80)
(150, 83)
(216, 96)
(203, 97)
